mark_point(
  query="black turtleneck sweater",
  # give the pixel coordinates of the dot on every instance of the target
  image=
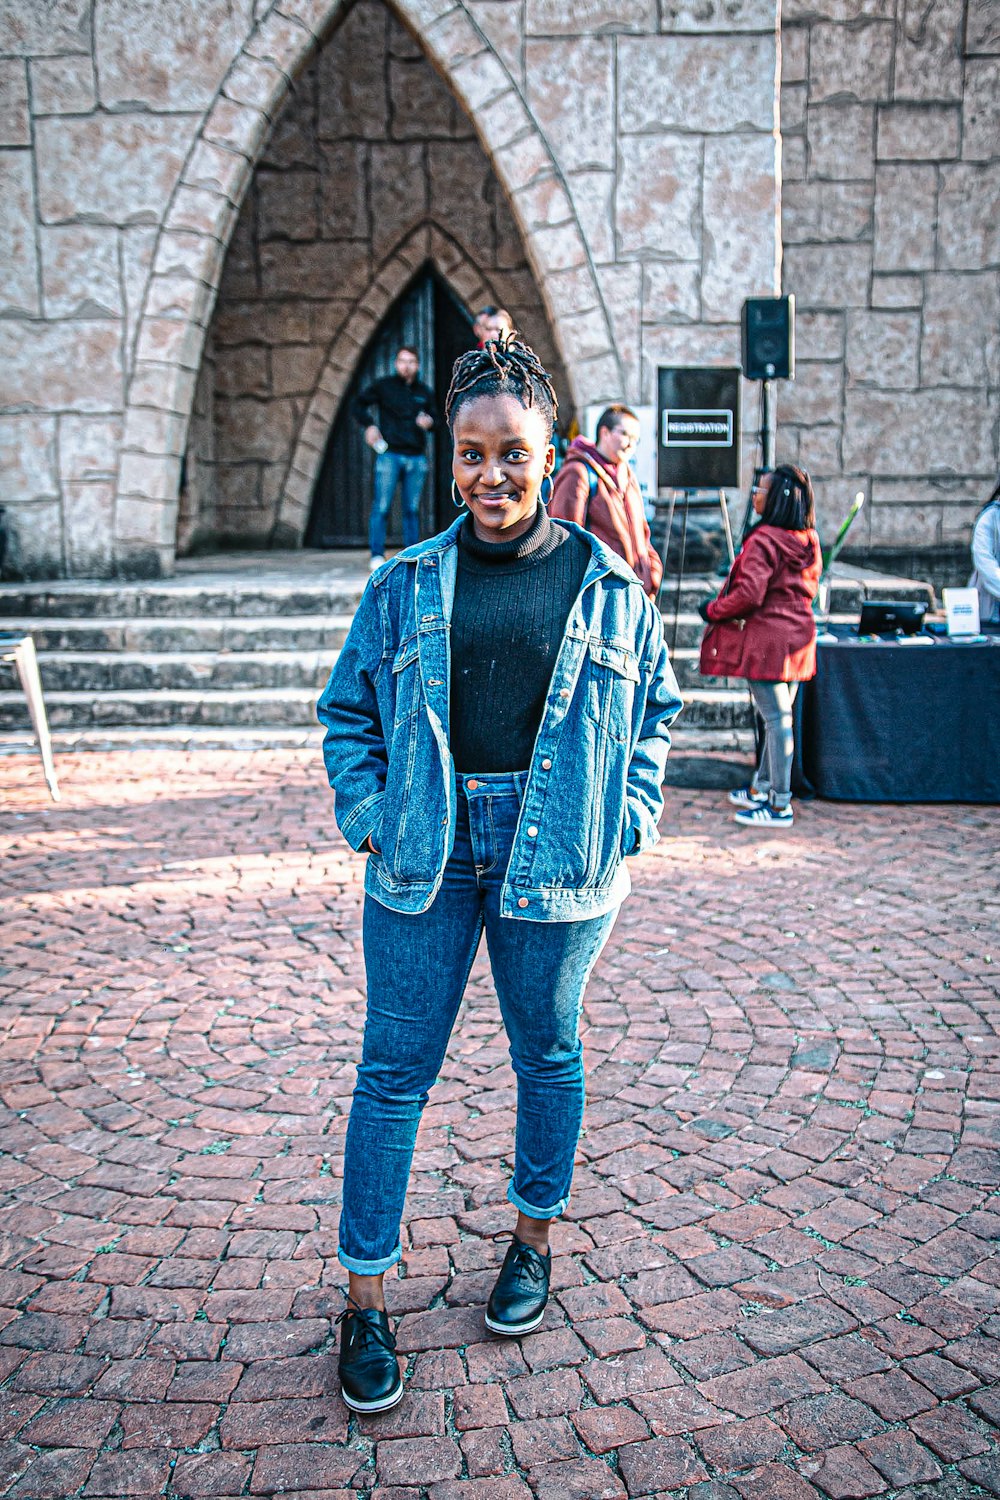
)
(512, 600)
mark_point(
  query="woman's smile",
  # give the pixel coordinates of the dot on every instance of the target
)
(502, 455)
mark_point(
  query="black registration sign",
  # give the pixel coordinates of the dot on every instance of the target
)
(698, 428)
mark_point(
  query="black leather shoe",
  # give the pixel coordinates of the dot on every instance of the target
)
(517, 1302)
(368, 1368)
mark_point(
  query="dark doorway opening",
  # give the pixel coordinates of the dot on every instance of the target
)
(429, 316)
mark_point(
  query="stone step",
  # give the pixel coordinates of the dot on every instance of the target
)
(242, 597)
(147, 671)
(706, 708)
(191, 634)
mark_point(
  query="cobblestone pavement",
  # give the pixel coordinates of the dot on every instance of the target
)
(776, 1277)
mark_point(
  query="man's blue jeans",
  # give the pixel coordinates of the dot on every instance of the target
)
(417, 969)
(388, 469)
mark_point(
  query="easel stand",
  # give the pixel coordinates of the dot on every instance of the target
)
(689, 501)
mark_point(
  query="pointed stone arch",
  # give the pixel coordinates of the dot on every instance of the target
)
(428, 244)
(194, 236)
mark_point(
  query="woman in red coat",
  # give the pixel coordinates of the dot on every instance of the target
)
(761, 627)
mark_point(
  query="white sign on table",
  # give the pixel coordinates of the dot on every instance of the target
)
(961, 608)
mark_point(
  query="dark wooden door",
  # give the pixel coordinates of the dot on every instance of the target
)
(428, 316)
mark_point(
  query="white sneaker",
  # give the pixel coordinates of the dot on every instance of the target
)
(376, 562)
(747, 796)
(763, 815)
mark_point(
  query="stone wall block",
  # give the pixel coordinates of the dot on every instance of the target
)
(794, 55)
(88, 512)
(571, 95)
(88, 449)
(110, 168)
(558, 249)
(705, 83)
(900, 433)
(237, 127)
(201, 211)
(503, 121)
(929, 50)
(801, 211)
(671, 291)
(343, 191)
(847, 211)
(893, 526)
(843, 12)
(294, 140)
(316, 270)
(819, 336)
(352, 76)
(148, 476)
(394, 213)
(819, 452)
(315, 15)
(255, 82)
(665, 171)
(295, 370)
(184, 252)
(961, 331)
(257, 430)
(153, 57)
(151, 431)
(170, 341)
(288, 205)
(587, 17)
(686, 344)
(140, 522)
(827, 276)
(793, 158)
(35, 547)
(917, 132)
(502, 25)
(815, 395)
(981, 109)
(479, 79)
(621, 287)
(245, 372)
(523, 162)
(883, 349)
(281, 40)
(593, 196)
(29, 28)
(138, 246)
(543, 203)
(982, 29)
(905, 216)
(897, 291)
(158, 385)
(841, 141)
(738, 264)
(28, 458)
(968, 223)
(219, 170)
(180, 297)
(422, 14)
(40, 365)
(63, 85)
(597, 381)
(18, 253)
(422, 106)
(717, 15)
(15, 129)
(793, 104)
(853, 63)
(80, 271)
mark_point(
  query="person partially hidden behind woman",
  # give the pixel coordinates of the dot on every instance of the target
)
(761, 627)
(496, 732)
(986, 559)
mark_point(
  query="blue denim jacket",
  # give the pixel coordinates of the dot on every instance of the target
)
(593, 793)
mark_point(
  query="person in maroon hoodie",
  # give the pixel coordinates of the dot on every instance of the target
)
(761, 627)
(596, 488)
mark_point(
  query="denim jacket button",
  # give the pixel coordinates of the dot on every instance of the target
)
(532, 832)
(564, 692)
(522, 902)
(546, 764)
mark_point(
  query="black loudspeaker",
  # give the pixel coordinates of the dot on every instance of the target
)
(768, 326)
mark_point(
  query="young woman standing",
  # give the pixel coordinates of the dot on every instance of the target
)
(761, 627)
(496, 731)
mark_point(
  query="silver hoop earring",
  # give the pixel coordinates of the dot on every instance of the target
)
(545, 498)
(456, 498)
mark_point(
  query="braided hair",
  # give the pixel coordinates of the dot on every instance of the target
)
(503, 367)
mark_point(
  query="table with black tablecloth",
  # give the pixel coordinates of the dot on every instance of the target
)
(886, 721)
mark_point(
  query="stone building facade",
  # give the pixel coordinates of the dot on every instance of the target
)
(208, 208)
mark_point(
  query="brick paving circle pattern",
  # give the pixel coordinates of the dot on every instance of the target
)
(777, 1277)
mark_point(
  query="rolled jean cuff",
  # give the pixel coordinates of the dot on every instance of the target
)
(369, 1267)
(532, 1212)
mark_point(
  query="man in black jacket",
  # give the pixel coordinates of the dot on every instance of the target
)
(405, 416)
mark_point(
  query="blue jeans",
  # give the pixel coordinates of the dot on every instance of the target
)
(388, 468)
(417, 968)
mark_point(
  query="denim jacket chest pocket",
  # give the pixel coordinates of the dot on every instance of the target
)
(609, 695)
